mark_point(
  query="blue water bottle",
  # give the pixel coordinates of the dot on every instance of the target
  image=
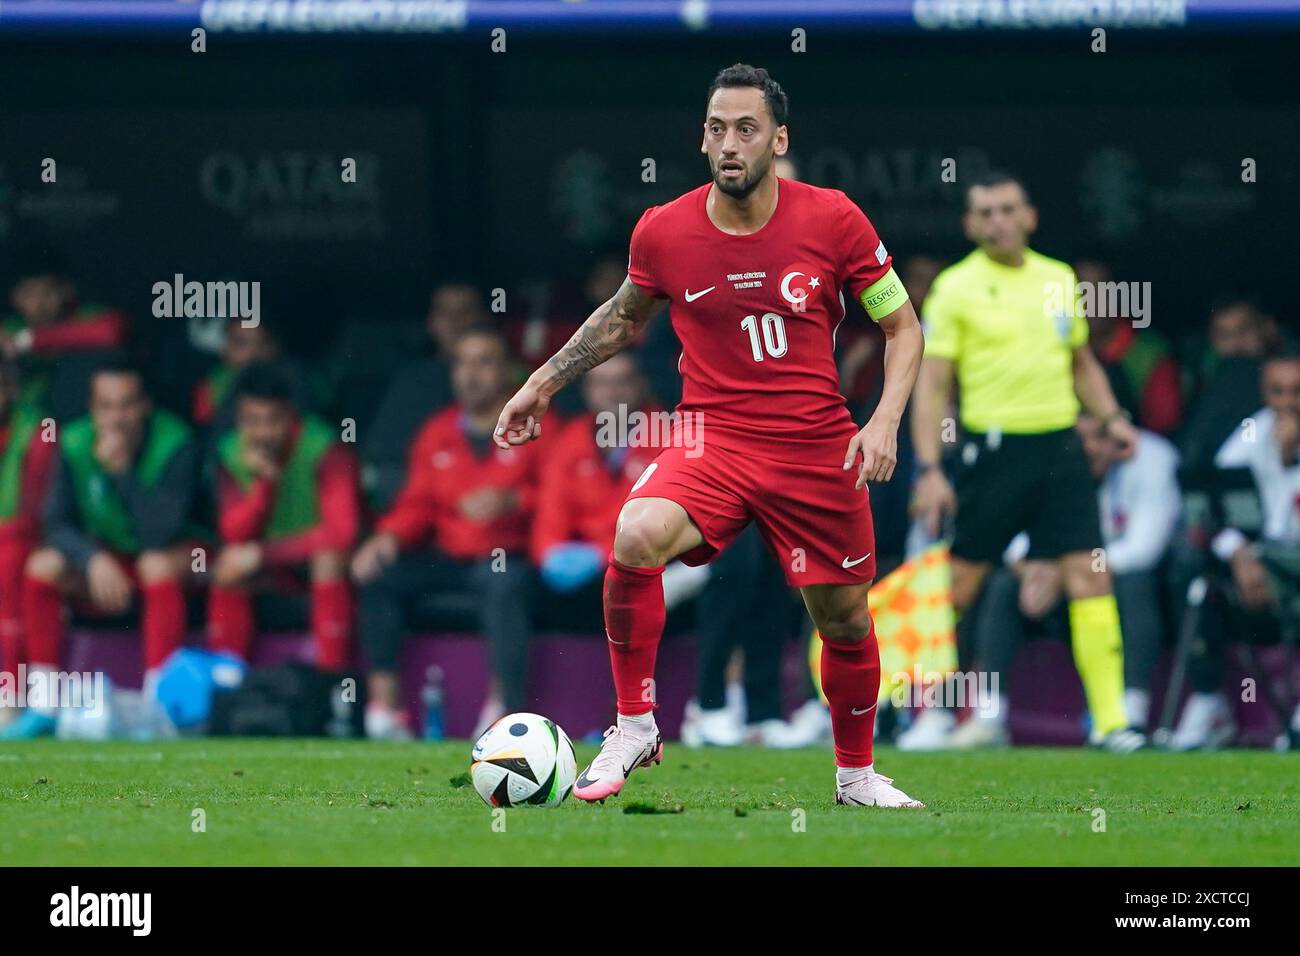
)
(432, 698)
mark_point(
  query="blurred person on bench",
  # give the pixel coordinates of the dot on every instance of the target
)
(1227, 376)
(212, 400)
(241, 346)
(50, 325)
(419, 388)
(116, 527)
(1137, 360)
(1265, 574)
(26, 460)
(455, 542)
(288, 513)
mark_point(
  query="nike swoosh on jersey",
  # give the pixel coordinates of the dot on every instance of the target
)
(692, 296)
(846, 563)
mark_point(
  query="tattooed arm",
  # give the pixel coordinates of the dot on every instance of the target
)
(610, 329)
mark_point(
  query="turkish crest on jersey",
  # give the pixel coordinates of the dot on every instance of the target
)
(800, 284)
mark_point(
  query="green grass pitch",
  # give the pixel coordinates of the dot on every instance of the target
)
(355, 803)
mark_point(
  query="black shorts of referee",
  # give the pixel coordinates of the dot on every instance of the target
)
(1039, 483)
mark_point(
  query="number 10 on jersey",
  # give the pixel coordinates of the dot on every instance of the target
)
(772, 341)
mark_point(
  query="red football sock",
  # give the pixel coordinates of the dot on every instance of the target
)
(42, 622)
(13, 555)
(331, 622)
(11, 629)
(164, 621)
(634, 622)
(230, 621)
(851, 682)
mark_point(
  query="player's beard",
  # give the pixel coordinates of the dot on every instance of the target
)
(742, 189)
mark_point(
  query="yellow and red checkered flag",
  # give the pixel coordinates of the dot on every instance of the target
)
(915, 624)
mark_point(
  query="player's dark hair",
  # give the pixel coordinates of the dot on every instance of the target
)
(459, 281)
(39, 258)
(485, 330)
(1222, 303)
(119, 363)
(995, 177)
(1286, 353)
(264, 382)
(264, 324)
(1095, 258)
(742, 74)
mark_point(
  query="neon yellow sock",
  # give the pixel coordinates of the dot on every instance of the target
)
(1098, 647)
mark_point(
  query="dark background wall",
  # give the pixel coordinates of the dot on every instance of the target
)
(523, 165)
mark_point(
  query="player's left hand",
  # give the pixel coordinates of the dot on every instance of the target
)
(236, 562)
(261, 462)
(1124, 437)
(877, 443)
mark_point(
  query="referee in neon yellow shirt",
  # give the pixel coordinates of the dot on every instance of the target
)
(1005, 322)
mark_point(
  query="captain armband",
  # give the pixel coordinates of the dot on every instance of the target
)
(883, 296)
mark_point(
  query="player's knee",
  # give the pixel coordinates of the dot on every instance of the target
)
(849, 627)
(155, 566)
(640, 543)
(46, 564)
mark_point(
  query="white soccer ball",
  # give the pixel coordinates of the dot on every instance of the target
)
(523, 760)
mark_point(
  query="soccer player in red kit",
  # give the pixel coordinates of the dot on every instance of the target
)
(754, 267)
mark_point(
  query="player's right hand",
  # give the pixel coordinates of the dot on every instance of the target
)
(373, 556)
(933, 499)
(1251, 578)
(110, 588)
(521, 419)
(112, 450)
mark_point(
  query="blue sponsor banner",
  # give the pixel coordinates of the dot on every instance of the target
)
(425, 17)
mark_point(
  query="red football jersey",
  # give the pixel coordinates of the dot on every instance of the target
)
(756, 314)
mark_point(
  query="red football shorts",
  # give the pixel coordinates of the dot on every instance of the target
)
(816, 524)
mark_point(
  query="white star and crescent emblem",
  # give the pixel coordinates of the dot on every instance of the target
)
(798, 297)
